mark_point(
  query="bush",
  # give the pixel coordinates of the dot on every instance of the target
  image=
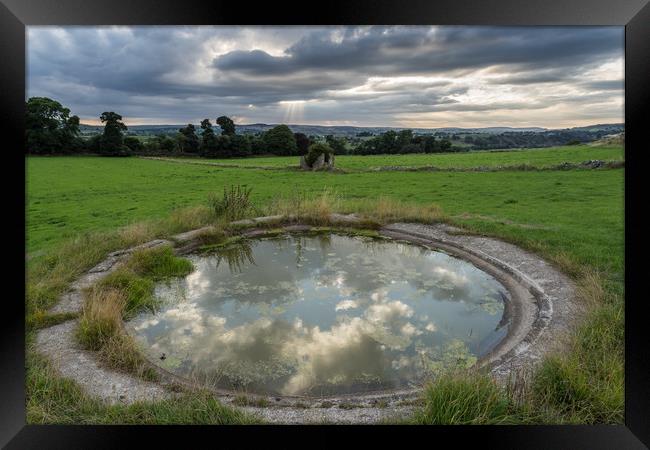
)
(315, 150)
(233, 205)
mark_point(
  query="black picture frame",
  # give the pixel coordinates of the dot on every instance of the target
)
(633, 14)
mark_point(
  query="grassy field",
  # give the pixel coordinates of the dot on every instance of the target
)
(573, 217)
(69, 195)
(535, 157)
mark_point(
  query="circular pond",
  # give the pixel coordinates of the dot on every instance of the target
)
(322, 315)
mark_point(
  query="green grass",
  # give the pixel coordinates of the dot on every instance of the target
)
(574, 218)
(124, 292)
(55, 400)
(579, 211)
(466, 400)
(244, 400)
(116, 298)
(534, 157)
(158, 264)
(586, 385)
(138, 290)
(49, 274)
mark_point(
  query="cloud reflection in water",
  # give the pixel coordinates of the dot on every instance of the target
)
(326, 314)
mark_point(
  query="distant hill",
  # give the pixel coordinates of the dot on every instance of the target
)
(323, 130)
(610, 139)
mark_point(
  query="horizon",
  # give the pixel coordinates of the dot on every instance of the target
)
(378, 76)
(357, 126)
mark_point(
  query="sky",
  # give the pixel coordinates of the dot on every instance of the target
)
(404, 76)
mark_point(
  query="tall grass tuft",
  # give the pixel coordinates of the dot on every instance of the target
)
(316, 208)
(586, 384)
(310, 207)
(465, 399)
(234, 204)
(118, 296)
(101, 317)
(386, 209)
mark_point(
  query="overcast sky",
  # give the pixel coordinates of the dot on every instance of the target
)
(463, 76)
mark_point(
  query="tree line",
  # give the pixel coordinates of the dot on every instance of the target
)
(528, 139)
(50, 129)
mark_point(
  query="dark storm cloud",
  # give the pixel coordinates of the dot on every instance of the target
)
(363, 75)
(131, 60)
(423, 50)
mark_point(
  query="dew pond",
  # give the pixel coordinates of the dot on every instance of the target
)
(321, 315)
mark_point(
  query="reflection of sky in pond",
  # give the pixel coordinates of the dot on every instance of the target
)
(322, 315)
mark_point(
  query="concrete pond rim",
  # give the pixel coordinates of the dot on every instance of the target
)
(541, 308)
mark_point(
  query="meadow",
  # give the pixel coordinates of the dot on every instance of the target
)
(541, 157)
(573, 217)
(69, 195)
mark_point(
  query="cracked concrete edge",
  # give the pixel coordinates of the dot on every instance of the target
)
(547, 285)
(333, 415)
(72, 300)
(59, 345)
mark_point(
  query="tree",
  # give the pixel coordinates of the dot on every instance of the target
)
(166, 144)
(303, 143)
(189, 142)
(222, 147)
(257, 144)
(111, 142)
(49, 128)
(429, 143)
(208, 141)
(240, 146)
(179, 142)
(279, 140)
(134, 144)
(404, 138)
(445, 145)
(92, 144)
(160, 145)
(337, 144)
(411, 148)
(388, 142)
(227, 125)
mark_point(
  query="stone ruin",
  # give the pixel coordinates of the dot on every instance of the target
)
(319, 164)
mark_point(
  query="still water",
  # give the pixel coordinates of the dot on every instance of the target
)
(325, 314)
